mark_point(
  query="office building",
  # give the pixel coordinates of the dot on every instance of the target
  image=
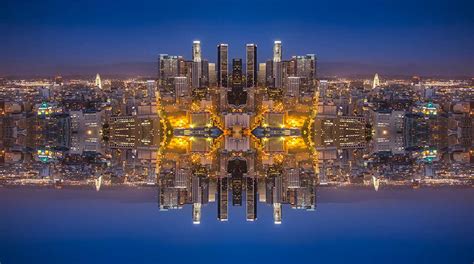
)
(251, 68)
(222, 65)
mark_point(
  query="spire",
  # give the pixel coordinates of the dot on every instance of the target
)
(98, 82)
(376, 82)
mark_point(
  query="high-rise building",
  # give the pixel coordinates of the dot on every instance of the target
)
(150, 88)
(269, 80)
(197, 51)
(237, 73)
(168, 68)
(305, 68)
(277, 51)
(277, 65)
(251, 60)
(98, 82)
(323, 88)
(251, 195)
(181, 87)
(376, 82)
(223, 199)
(212, 74)
(204, 73)
(293, 86)
(196, 65)
(222, 65)
(196, 192)
(262, 72)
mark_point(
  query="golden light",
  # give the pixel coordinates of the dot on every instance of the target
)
(295, 121)
(296, 143)
(178, 121)
(178, 143)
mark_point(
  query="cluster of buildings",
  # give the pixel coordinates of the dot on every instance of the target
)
(237, 132)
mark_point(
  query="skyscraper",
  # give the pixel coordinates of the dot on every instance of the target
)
(222, 65)
(251, 60)
(277, 52)
(98, 82)
(305, 68)
(197, 51)
(237, 96)
(251, 195)
(237, 73)
(223, 199)
(262, 72)
(197, 65)
(277, 65)
(151, 88)
(204, 73)
(168, 68)
(181, 87)
(376, 82)
(269, 80)
(212, 74)
(293, 86)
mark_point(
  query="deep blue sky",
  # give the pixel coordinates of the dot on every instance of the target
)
(435, 35)
(428, 225)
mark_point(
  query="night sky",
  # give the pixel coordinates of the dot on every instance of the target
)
(427, 36)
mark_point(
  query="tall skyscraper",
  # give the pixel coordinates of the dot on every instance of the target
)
(376, 82)
(204, 73)
(212, 74)
(223, 199)
(262, 72)
(237, 73)
(277, 51)
(277, 65)
(98, 82)
(251, 195)
(304, 67)
(197, 65)
(269, 79)
(196, 192)
(168, 68)
(197, 51)
(251, 60)
(222, 65)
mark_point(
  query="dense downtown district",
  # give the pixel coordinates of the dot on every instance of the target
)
(237, 132)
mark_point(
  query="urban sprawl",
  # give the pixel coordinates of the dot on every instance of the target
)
(239, 132)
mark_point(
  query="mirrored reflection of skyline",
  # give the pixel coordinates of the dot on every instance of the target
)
(237, 133)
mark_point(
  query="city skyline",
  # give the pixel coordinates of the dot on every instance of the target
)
(237, 131)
